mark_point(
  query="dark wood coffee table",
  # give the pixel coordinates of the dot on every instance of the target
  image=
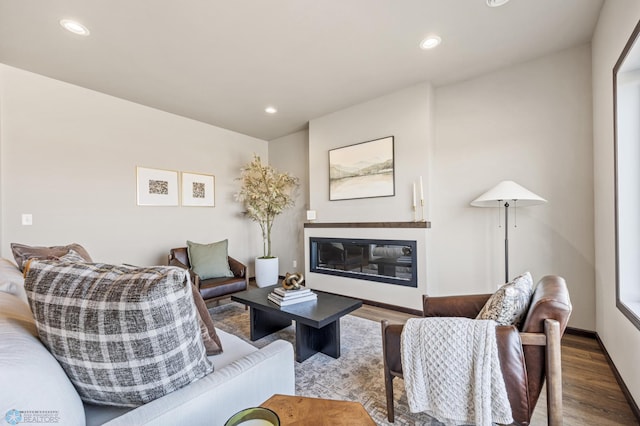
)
(317, 322)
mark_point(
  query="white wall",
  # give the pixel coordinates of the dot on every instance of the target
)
(530, 123)
(407, 116)
(620, 337)
(69, 157)
(291, 154)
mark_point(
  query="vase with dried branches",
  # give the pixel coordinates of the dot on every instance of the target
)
(265, 193)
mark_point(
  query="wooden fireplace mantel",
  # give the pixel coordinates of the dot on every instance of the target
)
(418, 225)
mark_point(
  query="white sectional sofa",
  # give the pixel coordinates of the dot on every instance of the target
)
(34, 384)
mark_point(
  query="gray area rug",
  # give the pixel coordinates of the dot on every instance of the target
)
(355, 376)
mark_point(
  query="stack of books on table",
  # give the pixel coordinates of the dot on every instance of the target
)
(283, 297)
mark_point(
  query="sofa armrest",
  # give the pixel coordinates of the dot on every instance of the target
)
(468, 306)
(244, 383)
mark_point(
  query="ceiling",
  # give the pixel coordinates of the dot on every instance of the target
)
(223, 62)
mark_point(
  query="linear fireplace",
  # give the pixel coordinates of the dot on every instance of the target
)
(385, 261)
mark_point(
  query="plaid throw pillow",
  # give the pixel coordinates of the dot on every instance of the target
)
(124, 336)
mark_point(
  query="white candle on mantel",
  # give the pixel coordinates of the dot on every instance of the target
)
(421, 190)
(414, 194)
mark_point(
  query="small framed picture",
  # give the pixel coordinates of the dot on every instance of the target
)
(198, 190)
(156, 187)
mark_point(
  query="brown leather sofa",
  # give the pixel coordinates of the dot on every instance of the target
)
(527, 356)
(213, 288)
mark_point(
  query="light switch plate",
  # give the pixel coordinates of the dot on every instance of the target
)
(27, 219)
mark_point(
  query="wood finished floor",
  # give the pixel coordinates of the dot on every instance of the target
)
(591, 395)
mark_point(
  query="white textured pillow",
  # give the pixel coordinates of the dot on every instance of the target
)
(124, 336)
(510, 302)
(33, 383)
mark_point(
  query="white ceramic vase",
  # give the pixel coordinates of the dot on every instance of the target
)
(266, 271)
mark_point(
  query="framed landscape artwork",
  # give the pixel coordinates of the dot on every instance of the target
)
(363, 170)
(198, 190)
(156, 187)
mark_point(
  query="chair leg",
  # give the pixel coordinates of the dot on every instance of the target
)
(388, 378)
(388, 386)
(554, 373)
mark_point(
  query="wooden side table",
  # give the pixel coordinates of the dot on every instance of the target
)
(303, 411)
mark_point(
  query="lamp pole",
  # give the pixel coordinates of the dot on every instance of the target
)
(506, 241)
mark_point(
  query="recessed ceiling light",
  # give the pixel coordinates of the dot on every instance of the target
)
(74, 27)
(496, 3)
(430, 42)
(270, 110)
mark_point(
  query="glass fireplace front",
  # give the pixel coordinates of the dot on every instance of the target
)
(386, 261)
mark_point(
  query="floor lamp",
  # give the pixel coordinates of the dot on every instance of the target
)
(500, 195)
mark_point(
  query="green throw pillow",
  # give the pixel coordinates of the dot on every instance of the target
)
(209, 260)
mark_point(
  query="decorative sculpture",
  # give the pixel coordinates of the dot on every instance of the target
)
(292, 281)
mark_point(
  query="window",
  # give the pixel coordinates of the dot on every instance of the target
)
(626, 80)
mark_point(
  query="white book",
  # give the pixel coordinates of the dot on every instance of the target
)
(288, 298)
(298, 300)
(291, 293)
(294, 301)
(293, 297)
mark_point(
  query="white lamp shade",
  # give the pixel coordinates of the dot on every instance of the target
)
(508, 190)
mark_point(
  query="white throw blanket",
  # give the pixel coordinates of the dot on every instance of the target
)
(452, 371)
